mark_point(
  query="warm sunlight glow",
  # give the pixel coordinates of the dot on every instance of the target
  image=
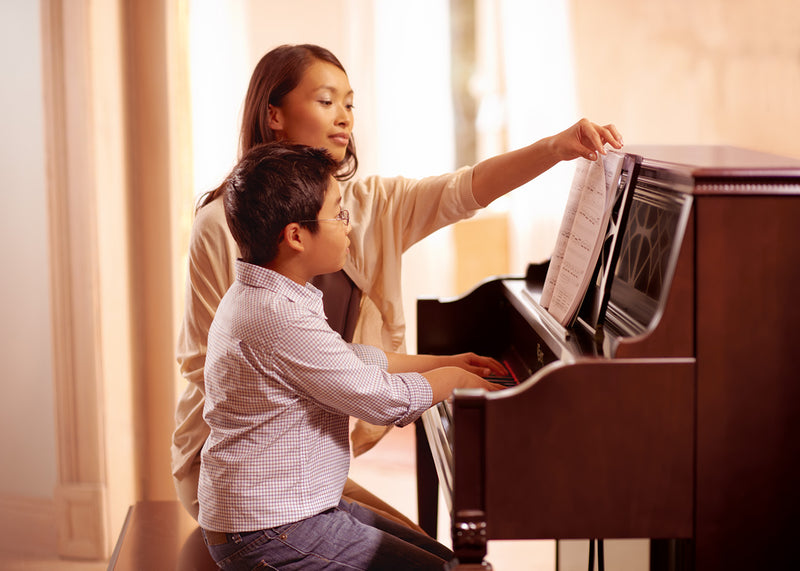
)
(220, 71)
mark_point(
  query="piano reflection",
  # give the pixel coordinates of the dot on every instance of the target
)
(669, 409)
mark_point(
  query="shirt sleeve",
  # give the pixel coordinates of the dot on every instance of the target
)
(370, 355)
(314, 362)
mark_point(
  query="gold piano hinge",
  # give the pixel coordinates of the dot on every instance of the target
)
(539, 356)
(599, 335)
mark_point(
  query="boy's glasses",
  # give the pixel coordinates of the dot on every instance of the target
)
(343, 216)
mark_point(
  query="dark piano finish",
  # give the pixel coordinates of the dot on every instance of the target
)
(160, 535)
(680, 421)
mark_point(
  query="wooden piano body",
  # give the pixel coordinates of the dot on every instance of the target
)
(671, 409)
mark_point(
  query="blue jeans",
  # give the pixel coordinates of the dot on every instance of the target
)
(348, 536)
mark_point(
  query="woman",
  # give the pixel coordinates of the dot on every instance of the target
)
(302, 94)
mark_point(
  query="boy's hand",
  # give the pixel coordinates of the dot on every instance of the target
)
(445, 379)
(477, 364)
(490, 386)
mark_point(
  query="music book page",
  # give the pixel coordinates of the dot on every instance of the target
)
(580, 236)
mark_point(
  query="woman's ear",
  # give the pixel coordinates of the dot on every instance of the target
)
(275, 118)
(293, 238)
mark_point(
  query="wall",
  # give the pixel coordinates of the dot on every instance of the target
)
(26, 381)
(25, 346)
(692, 71)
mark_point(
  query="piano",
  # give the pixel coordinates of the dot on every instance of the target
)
(669, 410)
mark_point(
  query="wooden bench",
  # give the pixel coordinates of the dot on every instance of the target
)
(160, 535)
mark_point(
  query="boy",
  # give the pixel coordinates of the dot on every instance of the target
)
(280, 385)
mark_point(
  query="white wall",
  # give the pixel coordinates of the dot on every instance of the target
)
(26, 407)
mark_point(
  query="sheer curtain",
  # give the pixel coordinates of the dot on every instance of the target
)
(526, 90)
(414, 127)
(220, 70)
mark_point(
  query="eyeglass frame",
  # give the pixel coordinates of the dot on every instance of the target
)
(343, 216)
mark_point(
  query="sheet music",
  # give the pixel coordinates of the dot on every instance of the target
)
(581, 235)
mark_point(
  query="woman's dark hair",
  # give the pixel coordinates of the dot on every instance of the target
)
(273, 185)
(275, 75)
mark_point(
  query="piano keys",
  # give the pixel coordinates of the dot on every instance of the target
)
(670, 410)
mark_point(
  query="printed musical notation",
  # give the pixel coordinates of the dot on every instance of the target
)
(580, 236)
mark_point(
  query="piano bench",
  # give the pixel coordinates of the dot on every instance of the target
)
(160, 535)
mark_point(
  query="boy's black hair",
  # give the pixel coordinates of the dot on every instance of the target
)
(275, 184)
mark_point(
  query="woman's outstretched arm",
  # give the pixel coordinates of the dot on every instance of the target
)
(496, 176)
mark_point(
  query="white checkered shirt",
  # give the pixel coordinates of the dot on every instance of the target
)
(280, 386)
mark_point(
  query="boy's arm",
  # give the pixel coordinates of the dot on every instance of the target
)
(447, 372)
(443, 372)
(477, 364)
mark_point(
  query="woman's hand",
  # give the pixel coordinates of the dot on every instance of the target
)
(477, 364)
(585, 139)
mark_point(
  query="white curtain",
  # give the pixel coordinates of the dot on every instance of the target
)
(526, 86)
(220, 71)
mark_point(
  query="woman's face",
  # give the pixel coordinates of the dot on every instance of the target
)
(318, 112)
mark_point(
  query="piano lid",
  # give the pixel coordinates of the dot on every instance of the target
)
(710, 164)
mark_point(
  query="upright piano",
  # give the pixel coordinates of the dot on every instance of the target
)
(670, 409)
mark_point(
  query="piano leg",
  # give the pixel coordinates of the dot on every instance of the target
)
(428, 498)
(427, 484)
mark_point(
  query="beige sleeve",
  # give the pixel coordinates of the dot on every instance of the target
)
(388, 216)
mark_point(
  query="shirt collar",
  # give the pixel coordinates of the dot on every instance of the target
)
(260, 277)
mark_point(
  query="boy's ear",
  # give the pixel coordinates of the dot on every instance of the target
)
(275, 118)
(293, 237)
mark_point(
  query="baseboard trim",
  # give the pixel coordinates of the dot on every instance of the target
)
(81, 513)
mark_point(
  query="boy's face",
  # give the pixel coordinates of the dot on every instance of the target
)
(331, 242)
